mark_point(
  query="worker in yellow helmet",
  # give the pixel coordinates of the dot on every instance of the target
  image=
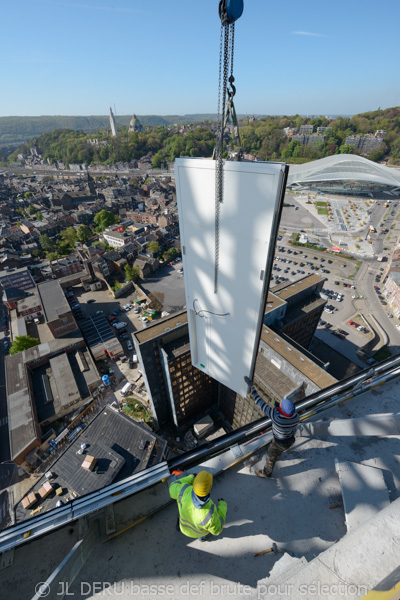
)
(198, 515)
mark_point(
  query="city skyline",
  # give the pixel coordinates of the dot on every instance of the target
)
(80, 58)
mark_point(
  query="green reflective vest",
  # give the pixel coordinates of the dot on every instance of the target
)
(197, 522)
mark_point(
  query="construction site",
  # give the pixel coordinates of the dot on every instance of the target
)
(220, 381)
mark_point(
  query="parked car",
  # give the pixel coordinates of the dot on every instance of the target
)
(145, 319)
(339, 335)
(129, 345)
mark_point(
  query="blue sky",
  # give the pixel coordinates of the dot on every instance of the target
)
(79, 57)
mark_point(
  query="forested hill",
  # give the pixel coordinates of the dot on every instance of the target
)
(264, 137)
(16, 130)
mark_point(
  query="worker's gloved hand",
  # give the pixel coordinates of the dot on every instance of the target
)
(249, 382)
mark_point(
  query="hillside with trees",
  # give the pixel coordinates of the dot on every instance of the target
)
(263, 137)
(17, 130)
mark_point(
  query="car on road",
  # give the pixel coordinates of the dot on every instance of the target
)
(376, 288)
(145, 319)
(328, 325)
(129, 345)
(91, 300)
(124, 336)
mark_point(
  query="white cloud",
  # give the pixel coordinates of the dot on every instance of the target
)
(309, 33)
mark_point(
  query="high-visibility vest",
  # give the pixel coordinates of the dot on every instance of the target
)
(197, 522)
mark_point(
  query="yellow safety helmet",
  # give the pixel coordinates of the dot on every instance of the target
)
(202, 483)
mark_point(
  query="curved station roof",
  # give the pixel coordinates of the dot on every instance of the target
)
(345, 174)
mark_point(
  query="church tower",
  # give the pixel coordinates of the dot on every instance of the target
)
(135, 124)
(112, 123)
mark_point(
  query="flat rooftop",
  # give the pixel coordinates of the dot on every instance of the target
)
(53, 300)
(29, 302)
(273, 302)
(288, 288)
(178, 347)
(270, 377)
(298, 359)
(21, 416)
(114, 439)
(160, 327)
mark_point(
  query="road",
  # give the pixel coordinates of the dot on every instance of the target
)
(344, 271)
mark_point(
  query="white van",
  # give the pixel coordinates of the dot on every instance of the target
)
(125, 389)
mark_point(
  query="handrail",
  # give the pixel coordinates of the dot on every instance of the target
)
(86, 505)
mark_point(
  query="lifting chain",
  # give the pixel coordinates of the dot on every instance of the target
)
(228, 14)
(225, 58)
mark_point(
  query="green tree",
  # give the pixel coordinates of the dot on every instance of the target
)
(23, 342)
(83, 233)
(153, 247)
(31, 210)
(47, 244)
(170, 254)
(28, 194)
(104, 219)
(52, 255)
(132, 273)
(346, 149)
(39, 216)
(37, 252)
(69, 235)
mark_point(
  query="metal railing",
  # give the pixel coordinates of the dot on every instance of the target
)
(84, 506)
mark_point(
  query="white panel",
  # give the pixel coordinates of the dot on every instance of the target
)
(224, 346)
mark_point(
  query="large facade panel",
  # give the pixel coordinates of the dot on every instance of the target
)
(224, 326)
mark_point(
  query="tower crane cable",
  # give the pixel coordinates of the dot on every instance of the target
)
(229, 12)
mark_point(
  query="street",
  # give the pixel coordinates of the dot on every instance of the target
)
(353, 278)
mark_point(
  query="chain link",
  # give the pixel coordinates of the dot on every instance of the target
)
(226, 34)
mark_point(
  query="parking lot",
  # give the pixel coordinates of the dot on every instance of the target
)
(294, 262)
(168, 284)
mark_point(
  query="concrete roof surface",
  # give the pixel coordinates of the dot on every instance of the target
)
(292, 509)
